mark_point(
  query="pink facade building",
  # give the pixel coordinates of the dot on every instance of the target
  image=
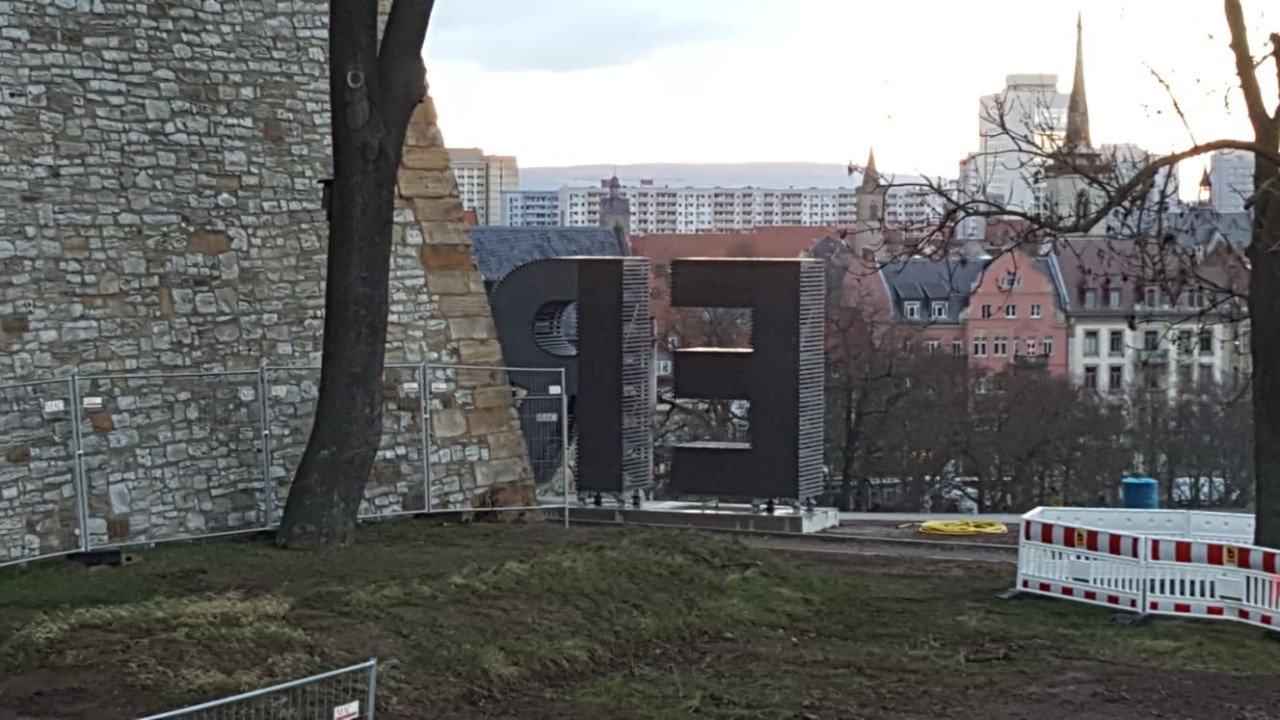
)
(1016, 316)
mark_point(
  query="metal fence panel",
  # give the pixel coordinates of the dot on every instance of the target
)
(346, 694)
(169, 457)
(40, 513)
(483, 396)
(397, 482)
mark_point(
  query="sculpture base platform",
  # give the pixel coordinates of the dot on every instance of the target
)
(696, 515)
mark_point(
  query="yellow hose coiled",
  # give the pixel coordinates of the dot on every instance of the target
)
(963, 527)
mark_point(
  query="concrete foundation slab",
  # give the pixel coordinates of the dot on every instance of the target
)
(697, 515)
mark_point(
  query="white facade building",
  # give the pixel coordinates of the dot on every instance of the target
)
(482, 179)
(715, 209)
(1173, 356)
(1016, 128)
(531, 208)
(1231, 180)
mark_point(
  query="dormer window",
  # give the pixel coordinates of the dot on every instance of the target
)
(911, 310)
(940, 311)
(1150, 296)
(1090, 299)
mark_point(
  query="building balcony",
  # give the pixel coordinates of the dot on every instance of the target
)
(1153, 357)
(1031, 362)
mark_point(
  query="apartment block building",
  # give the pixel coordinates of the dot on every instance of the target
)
(686, 210)
(482, 179)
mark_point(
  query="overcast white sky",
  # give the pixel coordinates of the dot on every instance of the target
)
(560, 82)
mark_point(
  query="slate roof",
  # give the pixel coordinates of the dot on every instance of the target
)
(926, 280)
(1196, 226)
(499, 250)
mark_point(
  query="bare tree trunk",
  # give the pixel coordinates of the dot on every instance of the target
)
(373, 92)
(1264, 280)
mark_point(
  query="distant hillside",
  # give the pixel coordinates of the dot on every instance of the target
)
(778, 175)
(729, 175)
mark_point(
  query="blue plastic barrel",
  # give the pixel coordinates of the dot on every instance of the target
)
(1140, 493)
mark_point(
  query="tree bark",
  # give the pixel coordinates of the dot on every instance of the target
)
(372, 92)
(1264, 282)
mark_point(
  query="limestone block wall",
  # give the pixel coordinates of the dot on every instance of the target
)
(160, 211)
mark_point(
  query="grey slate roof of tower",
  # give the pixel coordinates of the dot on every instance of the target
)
(499, 250)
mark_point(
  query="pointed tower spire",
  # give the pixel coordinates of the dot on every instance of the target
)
(870, 176)
(1078, 106)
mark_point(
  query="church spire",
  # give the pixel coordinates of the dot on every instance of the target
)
(870, 176)
(1078, 106)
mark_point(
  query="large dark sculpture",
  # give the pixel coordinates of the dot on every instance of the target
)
(590, 316)
(605, 346)
(781, 376)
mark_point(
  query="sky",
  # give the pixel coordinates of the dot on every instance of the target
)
(561, 82)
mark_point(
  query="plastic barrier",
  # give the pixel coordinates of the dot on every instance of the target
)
(1164, 562)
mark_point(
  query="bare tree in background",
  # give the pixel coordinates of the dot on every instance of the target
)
(373, 90)
(1132, 212)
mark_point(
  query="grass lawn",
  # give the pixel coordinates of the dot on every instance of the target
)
(534, 621)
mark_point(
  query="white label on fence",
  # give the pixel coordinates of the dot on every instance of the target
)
(279, 391)
(409, 388)
(55, 406)
(439, 387)
(93, 403)
(350, 711)
(1229, 588)
(553, 390)
(547, 417)
(1080, 570)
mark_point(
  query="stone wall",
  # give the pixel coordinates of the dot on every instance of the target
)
(160, 211)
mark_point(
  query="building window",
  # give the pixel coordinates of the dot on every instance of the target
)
(1113, 299)
(1115, 379)
(1115, 343)
(1000, 347)
(663, 367)
(1184, 377)
(957, 348)
(932, 346)
(1048, 346)
(980, 346)
(1206, 375)
(986, 312)
(1184, 342)
(1037, 312)
(1151, 340)
(1150, 296)
(1091, 343)
(1197, 299)
(911, 310)
(1011, 311)
(1206, 342)
(939, 310)
(1031, 346)
(1010, 281)
(1091, 377)
(1090, 299)
(980, 386)
(1152, 378)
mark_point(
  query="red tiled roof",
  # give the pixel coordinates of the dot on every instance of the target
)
(781, 241)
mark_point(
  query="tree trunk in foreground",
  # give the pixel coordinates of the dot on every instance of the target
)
(1264, 280)
(372, 92)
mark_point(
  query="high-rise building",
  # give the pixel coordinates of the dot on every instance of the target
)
(686, 210)
(531, 208)
(1231, 180)
(1017, 127)
(482, 179)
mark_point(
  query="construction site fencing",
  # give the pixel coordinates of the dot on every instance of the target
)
(100, 461)
(346, 694)
(1152, 562)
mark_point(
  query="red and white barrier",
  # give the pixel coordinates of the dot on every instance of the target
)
(1179, 566)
